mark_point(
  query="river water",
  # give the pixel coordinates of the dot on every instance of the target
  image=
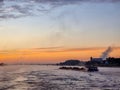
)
(43, 77)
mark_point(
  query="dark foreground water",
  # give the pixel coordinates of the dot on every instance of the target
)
(36, 77)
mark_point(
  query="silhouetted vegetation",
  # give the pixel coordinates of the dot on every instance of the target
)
(111, 62)
(2, 64)
(71, 62)
(73, 68)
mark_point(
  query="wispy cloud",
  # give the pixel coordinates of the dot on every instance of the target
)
(21, 8)
(56, 49)
(59, 49)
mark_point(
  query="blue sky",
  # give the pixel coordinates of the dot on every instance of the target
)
(35, 25)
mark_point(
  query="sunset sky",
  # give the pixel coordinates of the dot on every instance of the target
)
(50, 31)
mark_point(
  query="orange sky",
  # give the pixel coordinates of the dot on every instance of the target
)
(81, 29)
(53, 54)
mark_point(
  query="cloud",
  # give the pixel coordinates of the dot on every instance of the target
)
(1, 0)
(21, 8)
(57, 49)
(15, 10)
(63, 49)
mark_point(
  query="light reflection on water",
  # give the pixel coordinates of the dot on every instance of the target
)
(36, 77)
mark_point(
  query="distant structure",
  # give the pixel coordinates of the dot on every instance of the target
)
(96, 59)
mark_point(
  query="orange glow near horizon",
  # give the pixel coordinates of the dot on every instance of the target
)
(53, 55)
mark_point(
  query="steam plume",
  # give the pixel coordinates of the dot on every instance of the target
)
(106, 53)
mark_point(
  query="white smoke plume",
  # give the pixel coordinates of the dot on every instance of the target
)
(106, 53)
